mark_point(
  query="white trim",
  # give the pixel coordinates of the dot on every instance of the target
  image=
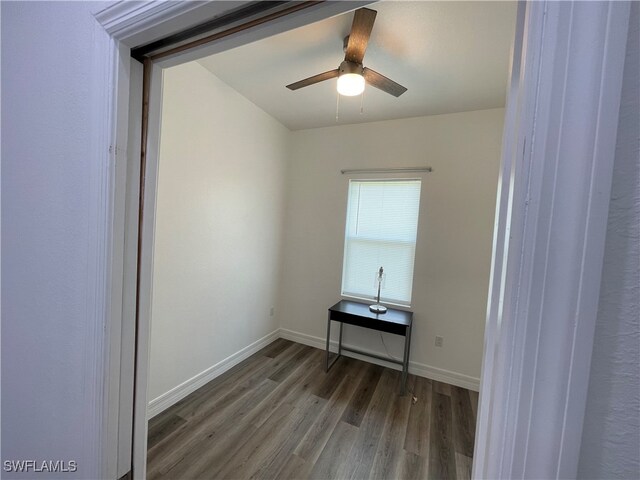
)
(164, 401)
(124, 19)
(524, 51)
(416, 368)
(102, 373)
(129, 196)
(137, 23)
(546, 277)
(370, 300)
(146, 276)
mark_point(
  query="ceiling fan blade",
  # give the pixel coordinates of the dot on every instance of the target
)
(321, 77)
(359, 36)
(383, 83)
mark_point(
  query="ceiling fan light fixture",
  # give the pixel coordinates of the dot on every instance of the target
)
(350, 80)
(350, 84)
(352, 76)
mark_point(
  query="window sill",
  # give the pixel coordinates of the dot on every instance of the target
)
(372, 301)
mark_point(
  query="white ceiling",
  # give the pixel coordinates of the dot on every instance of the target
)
(452, 57)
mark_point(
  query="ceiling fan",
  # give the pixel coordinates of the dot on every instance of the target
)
(351, 74)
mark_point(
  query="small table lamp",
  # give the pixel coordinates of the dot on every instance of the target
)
(377, 308)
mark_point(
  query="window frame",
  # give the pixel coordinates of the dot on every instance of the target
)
(350, 296)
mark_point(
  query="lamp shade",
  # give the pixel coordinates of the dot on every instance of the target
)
(350, 84)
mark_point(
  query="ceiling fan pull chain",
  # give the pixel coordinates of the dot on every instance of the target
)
(337, 106)
(362, 102)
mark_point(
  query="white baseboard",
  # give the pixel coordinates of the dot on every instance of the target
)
(420, 369)
(164, 401)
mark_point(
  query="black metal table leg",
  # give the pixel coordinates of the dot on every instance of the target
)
(328, 337)
(405, 362)
(330, 363)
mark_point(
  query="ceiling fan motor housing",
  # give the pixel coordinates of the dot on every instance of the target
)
(350, 67)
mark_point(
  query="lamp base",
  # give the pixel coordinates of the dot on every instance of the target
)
(377, 308)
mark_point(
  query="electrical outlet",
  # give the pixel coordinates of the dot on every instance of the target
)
(439, 341)
(272, 311)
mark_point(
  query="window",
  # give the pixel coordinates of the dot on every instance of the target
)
(382, 224)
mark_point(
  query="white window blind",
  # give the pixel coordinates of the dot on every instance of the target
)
(382, 224)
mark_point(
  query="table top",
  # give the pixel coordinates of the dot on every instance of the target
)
(399, 317)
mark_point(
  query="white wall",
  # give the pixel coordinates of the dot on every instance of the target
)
(453, 251)
(611, 435)
(52, 323)
(218, 226)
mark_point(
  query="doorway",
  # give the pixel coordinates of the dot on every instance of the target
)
(507, 186)
(455, 176)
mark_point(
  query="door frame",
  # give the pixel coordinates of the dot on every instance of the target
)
(122, 27)
(551, 215)
(558, 154)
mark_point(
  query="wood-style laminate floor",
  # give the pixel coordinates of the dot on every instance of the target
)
(278, 415)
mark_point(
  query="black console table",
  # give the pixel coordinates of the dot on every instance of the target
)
(393, 321)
